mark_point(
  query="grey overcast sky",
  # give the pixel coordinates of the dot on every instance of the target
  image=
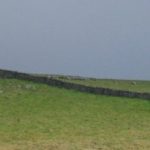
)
(96, 38)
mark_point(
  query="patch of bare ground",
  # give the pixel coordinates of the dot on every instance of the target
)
(80, 145)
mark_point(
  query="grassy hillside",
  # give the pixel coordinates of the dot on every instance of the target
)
(38, 117)
(129, 85)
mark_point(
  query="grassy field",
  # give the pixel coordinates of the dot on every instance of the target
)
(129, 85)
(38, 117)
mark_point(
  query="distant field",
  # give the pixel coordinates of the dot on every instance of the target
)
(39, 117)
(129, 85)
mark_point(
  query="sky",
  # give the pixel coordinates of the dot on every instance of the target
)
(94, 38)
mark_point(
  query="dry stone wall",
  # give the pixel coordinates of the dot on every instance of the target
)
(62, 84)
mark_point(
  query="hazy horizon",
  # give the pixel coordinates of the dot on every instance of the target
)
(102, 39)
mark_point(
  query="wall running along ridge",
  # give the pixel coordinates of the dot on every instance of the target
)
(62, 84)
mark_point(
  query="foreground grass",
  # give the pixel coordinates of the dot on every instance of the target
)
(129, 85)
(35, 116)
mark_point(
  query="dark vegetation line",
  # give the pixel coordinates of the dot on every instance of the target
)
(63, 84)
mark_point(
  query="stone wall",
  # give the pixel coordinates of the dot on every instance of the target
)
(62, 84)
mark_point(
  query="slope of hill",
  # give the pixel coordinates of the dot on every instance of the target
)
(128, 85)
(36, 116)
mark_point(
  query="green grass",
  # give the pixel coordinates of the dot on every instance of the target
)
(129, 85)
(36, 116)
